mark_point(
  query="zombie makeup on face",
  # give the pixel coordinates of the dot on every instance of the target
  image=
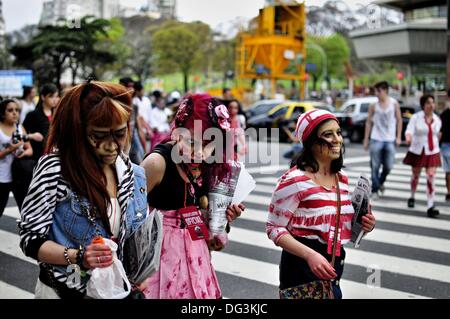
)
(197, 147)
(99, 137)
(429, 106)
(330, 137)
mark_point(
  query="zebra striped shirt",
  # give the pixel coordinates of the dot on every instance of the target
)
(48, 188)
(304, 209)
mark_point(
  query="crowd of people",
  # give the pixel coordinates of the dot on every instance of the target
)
(101, 159)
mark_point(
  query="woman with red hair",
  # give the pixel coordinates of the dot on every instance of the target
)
(82, 188)
(179, 175)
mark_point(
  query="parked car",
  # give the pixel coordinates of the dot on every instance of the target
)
(262, 107)
(282, 115)
(323, 106)
(353, 116)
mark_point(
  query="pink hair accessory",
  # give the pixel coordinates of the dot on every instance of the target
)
(222, 117)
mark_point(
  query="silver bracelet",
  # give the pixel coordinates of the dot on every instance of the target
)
(66, 255)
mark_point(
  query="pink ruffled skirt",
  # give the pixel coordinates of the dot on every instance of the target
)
(185, 270)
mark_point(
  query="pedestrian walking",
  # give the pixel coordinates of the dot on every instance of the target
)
(85, 186)
(12, 148)
(178, 189)
(39, 119)
(237, 123)
(445, 144)
(384, 126)
(144, 107)
(310, 202)
(159, 123)
(27, 104)
(422, 134)
(137, 147)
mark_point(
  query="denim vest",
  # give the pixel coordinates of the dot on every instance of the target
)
(72, 228)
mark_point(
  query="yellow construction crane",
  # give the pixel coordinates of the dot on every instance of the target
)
(275, 46)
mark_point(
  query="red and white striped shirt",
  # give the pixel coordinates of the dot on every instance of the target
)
(303, 208)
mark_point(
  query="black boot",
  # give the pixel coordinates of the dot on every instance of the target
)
(411, 203)
(432, 212)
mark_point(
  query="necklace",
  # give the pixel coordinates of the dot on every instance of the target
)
(194, 183)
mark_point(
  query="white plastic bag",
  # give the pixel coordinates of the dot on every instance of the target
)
(110, 282)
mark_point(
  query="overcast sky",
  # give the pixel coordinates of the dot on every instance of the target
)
(18, 13)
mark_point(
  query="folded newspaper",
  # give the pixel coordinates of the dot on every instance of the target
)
(360, 202)
(240, 184)
(142, 249)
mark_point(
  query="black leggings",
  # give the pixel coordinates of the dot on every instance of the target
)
(5, 189)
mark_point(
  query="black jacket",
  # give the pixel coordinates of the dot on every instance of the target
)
(37, 121)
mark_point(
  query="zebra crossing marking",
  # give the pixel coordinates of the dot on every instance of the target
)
(8, 291)
(268, 273)
(358, 257)
(265, 272)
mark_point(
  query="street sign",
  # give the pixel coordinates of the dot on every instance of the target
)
(12, 82)
(311, 67)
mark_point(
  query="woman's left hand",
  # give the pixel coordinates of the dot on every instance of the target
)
(368, 222)
(234, 211)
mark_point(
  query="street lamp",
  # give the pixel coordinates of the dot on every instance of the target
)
(324, 57)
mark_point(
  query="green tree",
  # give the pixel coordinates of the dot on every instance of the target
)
(314, 57)
(337, 52)
(138, 39)
(57, 47)
(177, 48)
(223, 57)
(114, 43)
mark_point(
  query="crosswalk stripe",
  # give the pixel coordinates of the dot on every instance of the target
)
(353, 178)
(397, 186)
(378, 235)
(282, 167)
(388, 237)
(259, 239)
(389, 204)
(11, 292)
(258, 215)
(268, 273)
(407, 168)
(358, 257)
(440, 183)
(420, 194)
(10, 246)
(12, 212)
(265, 200)
(401, 170)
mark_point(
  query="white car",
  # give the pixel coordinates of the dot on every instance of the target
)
(353, 115)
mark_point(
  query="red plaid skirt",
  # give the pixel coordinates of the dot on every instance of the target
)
(422, 160)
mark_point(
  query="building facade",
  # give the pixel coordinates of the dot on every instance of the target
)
(419, 42)
(57, 10)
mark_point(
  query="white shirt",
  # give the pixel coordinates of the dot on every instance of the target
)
(144, 107)
(25, 109)
(114, 214)
(6, 162)
(418, 129)
(384, 122)
(159, 119)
